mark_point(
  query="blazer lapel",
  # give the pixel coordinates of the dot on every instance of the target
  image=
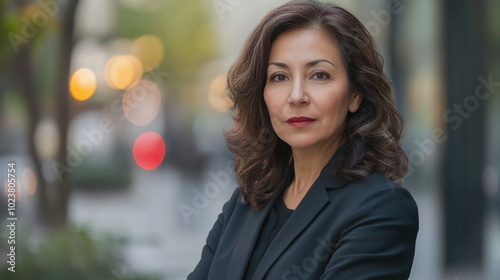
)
(310, 206)
(250, 233)
(312, 203)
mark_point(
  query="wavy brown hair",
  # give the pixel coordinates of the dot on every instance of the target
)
(371, 134)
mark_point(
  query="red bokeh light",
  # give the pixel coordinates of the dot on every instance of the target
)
(149, 150)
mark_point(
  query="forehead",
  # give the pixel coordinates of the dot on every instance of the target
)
(304, 44)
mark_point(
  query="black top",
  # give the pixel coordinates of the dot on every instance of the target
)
(275, 221)
(365, 229)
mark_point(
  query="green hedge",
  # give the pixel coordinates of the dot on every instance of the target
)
(71, 254)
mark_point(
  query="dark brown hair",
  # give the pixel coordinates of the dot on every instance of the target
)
(371, 134)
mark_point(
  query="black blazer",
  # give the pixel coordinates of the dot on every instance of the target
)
(362, 230)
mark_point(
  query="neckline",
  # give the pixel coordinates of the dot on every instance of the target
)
(282, 202)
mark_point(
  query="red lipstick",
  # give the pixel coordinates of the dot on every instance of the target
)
(300, 121)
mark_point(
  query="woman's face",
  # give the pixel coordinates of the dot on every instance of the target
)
(307, 89)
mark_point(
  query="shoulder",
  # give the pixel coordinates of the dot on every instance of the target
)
(230, 205)
(377, 186)
(236, 198)
(377, 233)
(377, 196)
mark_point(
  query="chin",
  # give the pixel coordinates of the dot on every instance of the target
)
(300, 142)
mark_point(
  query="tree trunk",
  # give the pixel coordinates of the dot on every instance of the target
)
(62, 193)
(52, 198)
(25, 81)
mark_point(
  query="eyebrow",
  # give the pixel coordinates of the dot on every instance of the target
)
(309, 64)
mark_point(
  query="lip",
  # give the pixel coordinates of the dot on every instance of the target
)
(300, 121)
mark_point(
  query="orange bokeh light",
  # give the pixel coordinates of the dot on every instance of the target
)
(28, 178)
(123, 71)
(82, 84)
(149, 49)
(217, 94)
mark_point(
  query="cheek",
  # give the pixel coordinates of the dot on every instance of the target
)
(272, 105)
(275, 111)
(334, 111)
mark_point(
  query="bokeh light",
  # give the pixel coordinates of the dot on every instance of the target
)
(217, 94)
(141, 103)
(149, 150)
(46, 139)
(149, 49)
(28, 178)
(82, 84)
(123, 71)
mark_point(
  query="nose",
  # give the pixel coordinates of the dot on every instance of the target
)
(298, 94)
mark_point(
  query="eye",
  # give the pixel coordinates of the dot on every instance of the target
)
(278, 78)
(321, 76)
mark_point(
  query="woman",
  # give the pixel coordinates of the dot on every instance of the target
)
(317, 156)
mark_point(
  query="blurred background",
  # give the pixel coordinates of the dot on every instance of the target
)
(111, 114)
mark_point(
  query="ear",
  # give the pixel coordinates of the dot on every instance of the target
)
(354, 102)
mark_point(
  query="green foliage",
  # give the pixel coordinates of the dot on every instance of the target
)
(71, 253)
(9, 24)
(19, 29)
(185, 29)
(11, 104)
